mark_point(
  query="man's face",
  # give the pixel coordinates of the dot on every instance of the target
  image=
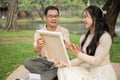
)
(52, 18)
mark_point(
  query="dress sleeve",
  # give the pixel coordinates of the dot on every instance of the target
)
(101, 52)
(77, 61)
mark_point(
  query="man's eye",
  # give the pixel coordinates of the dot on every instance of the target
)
(53, 16)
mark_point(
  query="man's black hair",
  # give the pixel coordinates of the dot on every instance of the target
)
(50, 8)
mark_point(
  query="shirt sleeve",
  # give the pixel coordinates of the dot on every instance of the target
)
(36, 36)
(66, 36)
(101, 52)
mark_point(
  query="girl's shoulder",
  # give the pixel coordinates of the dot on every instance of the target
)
(106, 34)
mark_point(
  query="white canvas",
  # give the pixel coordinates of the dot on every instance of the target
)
(54, 46)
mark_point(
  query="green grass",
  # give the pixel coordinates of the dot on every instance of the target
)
(115, 50)
(15, 47)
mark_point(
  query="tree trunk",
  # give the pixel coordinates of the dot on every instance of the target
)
(112, 7)
(11, 22)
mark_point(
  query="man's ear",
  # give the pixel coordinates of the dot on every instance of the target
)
(44, 17)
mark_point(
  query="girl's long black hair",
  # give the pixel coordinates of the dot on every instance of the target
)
(100, 27)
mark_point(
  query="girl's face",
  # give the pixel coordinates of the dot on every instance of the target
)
(88, 21)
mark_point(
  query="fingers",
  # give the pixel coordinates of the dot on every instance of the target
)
(40, 42)
(67, 45)
(73, 46)
(77, 47)
(58, 63)
(74, 49)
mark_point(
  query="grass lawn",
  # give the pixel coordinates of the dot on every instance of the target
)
(15, 47)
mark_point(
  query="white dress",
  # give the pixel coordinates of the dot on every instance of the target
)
(87, 67)
(82, 73)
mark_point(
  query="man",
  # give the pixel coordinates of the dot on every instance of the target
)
(41, 65)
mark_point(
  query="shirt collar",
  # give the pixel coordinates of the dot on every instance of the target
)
(55, 30)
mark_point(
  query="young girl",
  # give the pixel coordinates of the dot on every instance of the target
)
(92, 62)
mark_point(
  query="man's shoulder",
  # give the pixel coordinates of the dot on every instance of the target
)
(43, 28)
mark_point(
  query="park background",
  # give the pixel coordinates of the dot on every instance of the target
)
(17, 45)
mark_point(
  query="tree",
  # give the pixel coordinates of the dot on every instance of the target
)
(113, 8)
(11, 22)
(37, 8)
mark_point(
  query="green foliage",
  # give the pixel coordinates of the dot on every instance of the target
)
(73, 8)
(3, 2)
(71, 4)
(32, 4)
(70, 8)
(95, 2)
